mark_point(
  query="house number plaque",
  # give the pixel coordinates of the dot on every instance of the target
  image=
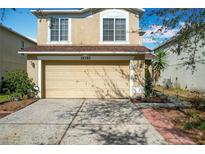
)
(85, 57)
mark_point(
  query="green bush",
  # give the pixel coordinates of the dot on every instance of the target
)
(148, 83)
(200, 124)
(18, 83)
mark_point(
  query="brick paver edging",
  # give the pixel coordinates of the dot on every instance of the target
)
(166, 128)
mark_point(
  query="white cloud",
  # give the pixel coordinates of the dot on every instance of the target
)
(148, 40)
(158, 31)
(158, 34)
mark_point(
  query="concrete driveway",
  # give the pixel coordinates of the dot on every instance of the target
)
(78, 121)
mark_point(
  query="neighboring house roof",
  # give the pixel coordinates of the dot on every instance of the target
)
(100, 48)
(172, 40)
(81, 11)
(166, 43)
(16, 33)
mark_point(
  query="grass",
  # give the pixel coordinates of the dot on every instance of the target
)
(200, 125)
(4, 98)
(193, 97)
(190, 121)
(173, 91)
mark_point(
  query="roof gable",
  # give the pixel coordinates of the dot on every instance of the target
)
(82, 12)
(16, 33)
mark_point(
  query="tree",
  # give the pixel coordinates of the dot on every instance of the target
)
(190, 34)
(159, 64)
(3, 13)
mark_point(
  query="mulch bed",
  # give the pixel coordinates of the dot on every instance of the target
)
(154, 99)
(172, 123)
(166, 128)
(179, 118)
(12, 106)
(191, 96)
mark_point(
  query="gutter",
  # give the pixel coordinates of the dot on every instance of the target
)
(61, 11)
(80, 52)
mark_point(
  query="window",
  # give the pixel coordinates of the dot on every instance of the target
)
(54, 27)
(120, 30)
(114, 29)
(22, 45)
(59, 30)
(108, 29)
(64, 30)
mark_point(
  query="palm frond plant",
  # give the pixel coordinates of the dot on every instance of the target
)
(159, 64)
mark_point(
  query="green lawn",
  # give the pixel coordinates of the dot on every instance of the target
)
(4, 97)
(200, 124)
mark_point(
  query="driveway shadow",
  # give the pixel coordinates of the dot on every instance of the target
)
(107, 135)
(108, 111)
(119, 138)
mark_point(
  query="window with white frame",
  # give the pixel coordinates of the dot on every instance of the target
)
(108, 29)
(114, 29)
(120, 29)
(59, 30)
(114, 26)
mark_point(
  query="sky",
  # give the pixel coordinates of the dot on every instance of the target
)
(24, 22)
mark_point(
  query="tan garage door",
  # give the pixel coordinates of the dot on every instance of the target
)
(91, 79)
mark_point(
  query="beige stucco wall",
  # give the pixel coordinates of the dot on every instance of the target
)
(134, 37)
(86, 31)
(10, 44)
(42, 31)
(139, 70)
(32, 68)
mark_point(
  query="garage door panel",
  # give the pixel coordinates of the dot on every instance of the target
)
(85, 85)
(86, 79)
(88, 75)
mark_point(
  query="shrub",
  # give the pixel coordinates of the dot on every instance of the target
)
(18, 83)
(148, 83)
(200, 124)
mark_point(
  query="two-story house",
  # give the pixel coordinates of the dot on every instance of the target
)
(176, 73)
(88, 53)
(10, 43)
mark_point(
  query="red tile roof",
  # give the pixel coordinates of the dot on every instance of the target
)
(88, 48)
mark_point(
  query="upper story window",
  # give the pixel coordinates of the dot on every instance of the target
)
(114, 27)
(60, 30)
